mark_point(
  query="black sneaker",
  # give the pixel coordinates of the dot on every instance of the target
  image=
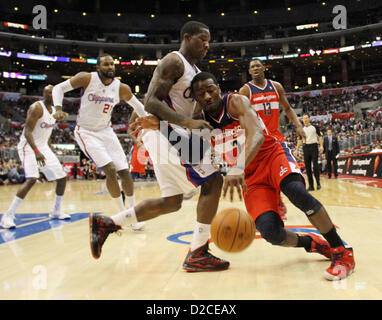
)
(311, 189)
(318, 187)
(100, 227)
(201, 260)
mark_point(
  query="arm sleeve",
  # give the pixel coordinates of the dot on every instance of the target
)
(59, 90)
(138, 106)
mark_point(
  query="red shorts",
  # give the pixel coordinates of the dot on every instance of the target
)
(263, 184)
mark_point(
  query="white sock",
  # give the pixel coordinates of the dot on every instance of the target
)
(119, 202)
(57, 203)
(201, 235)
(15, 203)
(126, 217)
(130, 201)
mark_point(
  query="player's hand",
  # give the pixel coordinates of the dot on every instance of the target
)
(60, 115)
(149, 122)
(232, 182)
(301, 133)
(321, 149)
(40, 159)
(198, 124)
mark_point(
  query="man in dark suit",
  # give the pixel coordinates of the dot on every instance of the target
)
(331, 149)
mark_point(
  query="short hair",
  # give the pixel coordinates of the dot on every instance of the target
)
(101, 56)
(201, 76)
(192, 27)
(256, 60)
(305, 114)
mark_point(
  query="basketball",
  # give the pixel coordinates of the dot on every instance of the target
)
(232, 230)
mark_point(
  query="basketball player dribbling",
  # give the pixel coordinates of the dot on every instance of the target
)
(101, 91)
(266, 97)
(270, 171)
(35, 152)
(168, 98)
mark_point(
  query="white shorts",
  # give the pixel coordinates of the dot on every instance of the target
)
(174, 177)
(53, 169)
(101, 147)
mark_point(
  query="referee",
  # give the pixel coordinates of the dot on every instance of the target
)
(311, 149)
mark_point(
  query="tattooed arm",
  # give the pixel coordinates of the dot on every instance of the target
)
(167, 73)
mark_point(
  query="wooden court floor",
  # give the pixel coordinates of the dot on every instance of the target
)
(44, 259)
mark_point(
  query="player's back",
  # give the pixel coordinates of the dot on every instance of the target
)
(97, 103)
(265, 101)
(43, 128)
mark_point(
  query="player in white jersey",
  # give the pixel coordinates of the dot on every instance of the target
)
(93, 132)
(169, 99)
(35, 152)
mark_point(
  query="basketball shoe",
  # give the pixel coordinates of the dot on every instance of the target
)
(320, 246)
(8, 221)
(139, 226)
(201, 260)
(100, 227)
(342, 264)
(59, 215)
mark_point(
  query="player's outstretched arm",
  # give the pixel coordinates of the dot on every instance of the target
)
(80, 80)
(240, 107)
(126, 94)
(168, 71)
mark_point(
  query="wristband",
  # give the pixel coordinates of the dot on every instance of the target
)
(36, 150)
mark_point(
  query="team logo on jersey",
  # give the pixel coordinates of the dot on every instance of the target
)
(45, 125)
(283, 170)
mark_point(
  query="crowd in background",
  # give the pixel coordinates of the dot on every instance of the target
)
(350, 132)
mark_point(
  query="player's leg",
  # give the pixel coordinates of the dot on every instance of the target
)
(329, 164)
(342, 258)
(198, 257)
(56, 172)
(101, 226)
(29, 163)
(308, 166)
(316, 168)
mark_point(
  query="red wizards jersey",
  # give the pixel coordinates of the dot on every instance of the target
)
(228, 142)
(265, 101)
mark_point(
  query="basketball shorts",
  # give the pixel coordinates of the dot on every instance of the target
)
(101, 147)
(263, 184)
(53, 169)
(173, 176)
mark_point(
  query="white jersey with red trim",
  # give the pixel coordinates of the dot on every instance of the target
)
(179, 97)
(43, 128)
(97, 103)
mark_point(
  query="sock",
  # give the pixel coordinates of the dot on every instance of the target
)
(126, 217)
(15, 203)
(130, 201)
(333, 238)
(57, 203)
(304, 241)
(201, 235)
(119, 202)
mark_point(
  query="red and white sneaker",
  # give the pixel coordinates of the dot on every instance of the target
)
(201, 260)
(342, 264)
(320, 246)
(99, 229)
